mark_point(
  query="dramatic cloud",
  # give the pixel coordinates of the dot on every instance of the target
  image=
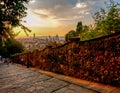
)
(65, 11)
(51, 17)
(35, 20)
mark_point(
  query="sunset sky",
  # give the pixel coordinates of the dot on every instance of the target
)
(51, 17)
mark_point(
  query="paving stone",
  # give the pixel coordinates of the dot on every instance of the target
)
(52, 84)
(12, 90)
(31, 89)
(18, 79)
(41, 91)
(74, 89)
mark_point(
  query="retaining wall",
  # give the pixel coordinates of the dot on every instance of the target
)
(96, 60)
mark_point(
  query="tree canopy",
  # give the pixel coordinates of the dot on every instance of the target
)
(70, 34)
(11, 47)
(108, 20)
(11, 14)
(79, 28)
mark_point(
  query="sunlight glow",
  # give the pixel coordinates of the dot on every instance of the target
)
(33, 20)
(42, 11)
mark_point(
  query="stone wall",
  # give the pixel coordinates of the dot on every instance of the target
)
(96, 60)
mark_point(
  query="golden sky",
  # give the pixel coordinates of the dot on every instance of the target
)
(57, 17)
(45, 31)
(44, 26)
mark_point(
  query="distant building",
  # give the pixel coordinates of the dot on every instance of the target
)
(32, 43)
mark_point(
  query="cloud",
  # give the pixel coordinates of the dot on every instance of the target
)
(32, 1)
(43, 13)
(65, 11)
(57, 7)
(34, 20)
(80, 5)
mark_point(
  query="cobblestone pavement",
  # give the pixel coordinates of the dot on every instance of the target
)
(18, 79)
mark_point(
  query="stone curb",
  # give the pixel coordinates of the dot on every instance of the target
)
(100, 88)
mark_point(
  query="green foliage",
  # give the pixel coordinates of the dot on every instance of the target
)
(79, 28)
(70, 34)
(91, 34)
(108, 20)
(11, 14)
(85, 28)
(11, 47)
(3, 52)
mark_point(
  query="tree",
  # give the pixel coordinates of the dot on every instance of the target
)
(79, 28)
(108, 20)
(85, 28)
(3, 52)
(11, 14)
(11, 47)
(70, 34)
